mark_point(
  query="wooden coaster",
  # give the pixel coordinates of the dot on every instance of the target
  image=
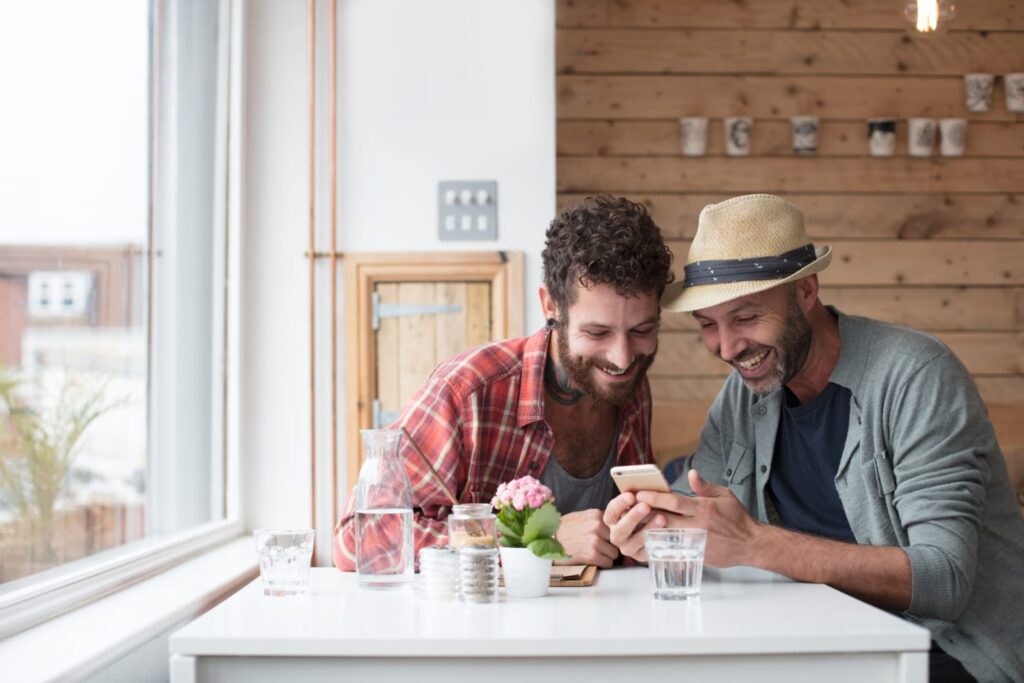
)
(573, 579)
(572, 576)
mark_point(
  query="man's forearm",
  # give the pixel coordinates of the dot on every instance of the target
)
(879, 575)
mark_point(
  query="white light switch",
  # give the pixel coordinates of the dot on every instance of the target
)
(467, 210)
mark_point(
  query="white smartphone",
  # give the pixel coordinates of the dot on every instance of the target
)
(639, 478)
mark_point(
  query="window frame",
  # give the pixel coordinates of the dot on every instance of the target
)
(63, 588)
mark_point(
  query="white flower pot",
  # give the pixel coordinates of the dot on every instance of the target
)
(526, 575)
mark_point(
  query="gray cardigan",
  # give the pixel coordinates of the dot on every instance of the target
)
(921, 470)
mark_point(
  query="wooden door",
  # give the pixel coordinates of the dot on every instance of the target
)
(417, 325)
(446, 303)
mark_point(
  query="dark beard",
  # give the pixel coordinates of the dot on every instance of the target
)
(580, 371)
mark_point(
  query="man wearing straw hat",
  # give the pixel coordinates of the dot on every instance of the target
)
(840, 450)
(563, 405)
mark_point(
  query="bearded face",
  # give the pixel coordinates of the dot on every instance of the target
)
(765, 337)
(600, 379)
(605, 342)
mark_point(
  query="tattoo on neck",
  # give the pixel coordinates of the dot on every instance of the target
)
(559, 385)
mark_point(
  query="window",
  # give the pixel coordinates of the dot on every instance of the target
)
(114, 285)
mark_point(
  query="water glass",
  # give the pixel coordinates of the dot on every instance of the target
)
(285, 556)
(675, 558)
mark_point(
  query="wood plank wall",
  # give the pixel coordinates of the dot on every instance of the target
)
(937, 243)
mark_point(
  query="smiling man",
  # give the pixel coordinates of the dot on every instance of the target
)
(563, 405)
(841, 450)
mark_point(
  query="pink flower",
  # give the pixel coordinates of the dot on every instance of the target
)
(522, 493)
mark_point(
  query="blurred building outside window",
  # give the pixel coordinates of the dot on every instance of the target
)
(111, 339)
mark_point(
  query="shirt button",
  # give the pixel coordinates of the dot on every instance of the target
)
(764, 468)
(533, 465)
(728, 473)
(762, 410)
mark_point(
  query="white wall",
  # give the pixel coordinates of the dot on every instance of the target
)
(447, 89)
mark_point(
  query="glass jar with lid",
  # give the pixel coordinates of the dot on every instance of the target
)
(471, 524)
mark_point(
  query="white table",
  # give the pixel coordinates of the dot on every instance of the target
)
(747, 625)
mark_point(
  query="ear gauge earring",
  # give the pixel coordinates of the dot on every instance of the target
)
(551, 323)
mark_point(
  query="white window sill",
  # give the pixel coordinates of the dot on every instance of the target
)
(84, 641)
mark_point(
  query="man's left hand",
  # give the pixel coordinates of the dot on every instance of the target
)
(585, 536)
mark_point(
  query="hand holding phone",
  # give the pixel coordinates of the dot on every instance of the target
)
(639, 478)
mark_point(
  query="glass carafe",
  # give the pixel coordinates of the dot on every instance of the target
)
(384, 547)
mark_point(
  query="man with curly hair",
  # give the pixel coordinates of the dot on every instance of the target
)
(563, 405)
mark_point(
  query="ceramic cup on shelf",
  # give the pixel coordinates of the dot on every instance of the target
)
(882, 137)
(952, 137)
(694, 130)
(805, 134)
(920, 136)
(738, 130)
(1014, 85)
(978, 91)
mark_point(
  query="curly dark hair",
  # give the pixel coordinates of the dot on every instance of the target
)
(605, 240)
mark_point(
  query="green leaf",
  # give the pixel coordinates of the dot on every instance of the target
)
(543, 523)
(548, 549)
(509, 538)
(512, 519)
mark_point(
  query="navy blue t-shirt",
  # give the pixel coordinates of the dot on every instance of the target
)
(808, 447)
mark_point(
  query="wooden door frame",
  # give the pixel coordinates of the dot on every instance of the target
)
(502, 269)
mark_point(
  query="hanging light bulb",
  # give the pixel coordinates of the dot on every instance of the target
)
(929, 16)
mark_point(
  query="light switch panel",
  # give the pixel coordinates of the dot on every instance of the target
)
(467, 210)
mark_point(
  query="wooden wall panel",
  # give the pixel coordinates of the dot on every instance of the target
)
(859, 215)
(732, 51)
(787, 174)
(774, 137)
(643, 96)
(979, 15)
(936, 244)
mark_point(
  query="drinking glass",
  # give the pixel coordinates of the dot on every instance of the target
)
(285, 556)
(675, 558)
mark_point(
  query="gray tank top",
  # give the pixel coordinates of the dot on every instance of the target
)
(574, 495)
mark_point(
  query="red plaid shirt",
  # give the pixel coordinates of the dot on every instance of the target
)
(480, 419)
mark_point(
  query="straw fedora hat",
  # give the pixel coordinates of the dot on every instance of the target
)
(744, 245)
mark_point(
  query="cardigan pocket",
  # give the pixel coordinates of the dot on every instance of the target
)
(885, 480)
(883, 469)
(738, 474)
(739, 465)
(878, 471)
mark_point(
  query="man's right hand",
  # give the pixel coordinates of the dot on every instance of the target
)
(585, 536)
(626, 520)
